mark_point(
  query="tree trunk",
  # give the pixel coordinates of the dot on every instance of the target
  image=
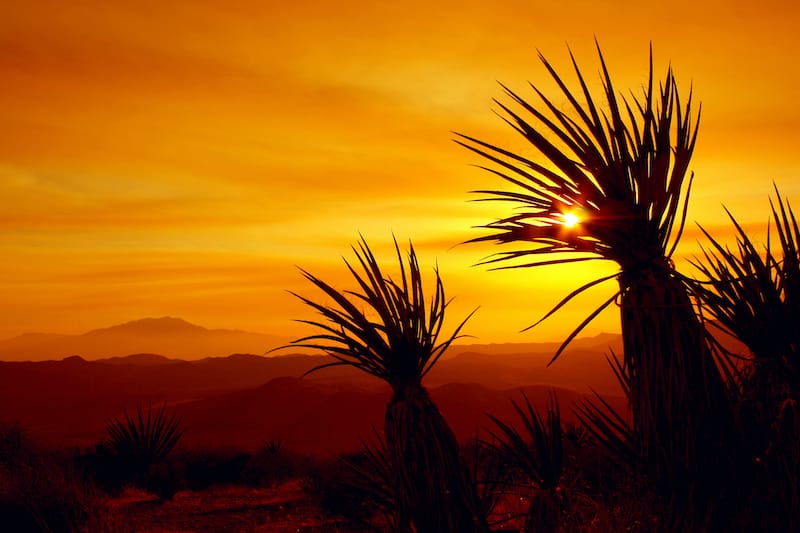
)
(682, 417)
(433, 486)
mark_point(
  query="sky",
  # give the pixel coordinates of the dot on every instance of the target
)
(184, 158)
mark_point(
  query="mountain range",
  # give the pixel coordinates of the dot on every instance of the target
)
(242, 400)
(175, 338)
(167, 336)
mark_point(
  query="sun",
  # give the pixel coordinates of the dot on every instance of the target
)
(570, 219)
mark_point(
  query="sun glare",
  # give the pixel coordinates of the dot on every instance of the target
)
(570, 220)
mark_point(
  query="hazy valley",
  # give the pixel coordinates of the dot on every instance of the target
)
(240, 401)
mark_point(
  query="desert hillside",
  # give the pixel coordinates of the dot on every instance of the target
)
(242, 400)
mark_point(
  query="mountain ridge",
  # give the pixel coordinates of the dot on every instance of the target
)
(167, 336)
(151, 326)
(176, 338)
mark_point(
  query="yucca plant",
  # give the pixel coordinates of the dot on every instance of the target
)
(371, 481)
(144, 439)
(537, 456)
(489, 472)
(607, 179)
(610, 428)
(389, 329)
(753, 293)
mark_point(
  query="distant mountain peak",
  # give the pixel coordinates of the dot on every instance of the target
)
(168, 336)
(152, 326)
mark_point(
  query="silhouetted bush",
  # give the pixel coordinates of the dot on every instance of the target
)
(40, 493)
(135, 452)
(272, 464)
(353, 488)
(203, 470)
(164, 479)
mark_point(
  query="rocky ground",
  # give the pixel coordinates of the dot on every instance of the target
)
(224, 509)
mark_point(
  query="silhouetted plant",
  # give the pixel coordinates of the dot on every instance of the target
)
(613, 186)
(272, 446)
(608, 425)
(369, 486)
(537, 456)
(753, 294)
(489, 472)
(273, 463)
(146, 438)
(42, 493)
(135, 443)
(610, 429)
(577, 434)
(388, 329)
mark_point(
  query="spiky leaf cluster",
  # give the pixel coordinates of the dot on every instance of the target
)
(622, 167)
(386, 328)
(147, 437)
(538, 451)
(619, 162)
(754, 293)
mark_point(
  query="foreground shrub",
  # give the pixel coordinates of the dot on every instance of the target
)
(135, 452)
(42, 493)
(272, 464)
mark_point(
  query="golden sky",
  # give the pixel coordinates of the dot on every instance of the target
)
(180, 158)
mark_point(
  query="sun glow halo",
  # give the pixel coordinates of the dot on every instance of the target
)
(570, 219)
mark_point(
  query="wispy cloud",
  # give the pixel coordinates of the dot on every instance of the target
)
(180, 158)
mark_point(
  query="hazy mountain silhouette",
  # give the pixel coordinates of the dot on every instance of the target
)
(167, 336)
(140, 359)
(160, 340)
(242, 400)
(67, 403)
(328, 419)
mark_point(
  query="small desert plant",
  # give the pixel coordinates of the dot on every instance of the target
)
(271, 464)
(613, 186)
(610, 429)
(146, 438)
(537, 456)
(40, 492)
(396, 340)
(608, 426)
(361, 488)
(135, 444)
(490, 473)
(272, 446)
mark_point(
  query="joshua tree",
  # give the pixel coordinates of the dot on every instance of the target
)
(387, 328)
(610, 183)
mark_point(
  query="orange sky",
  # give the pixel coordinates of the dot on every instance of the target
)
(179, 158)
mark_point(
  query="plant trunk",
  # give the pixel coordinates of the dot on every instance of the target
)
(433, 486)
(681, 413)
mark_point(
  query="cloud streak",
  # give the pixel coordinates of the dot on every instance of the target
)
(179, 159)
